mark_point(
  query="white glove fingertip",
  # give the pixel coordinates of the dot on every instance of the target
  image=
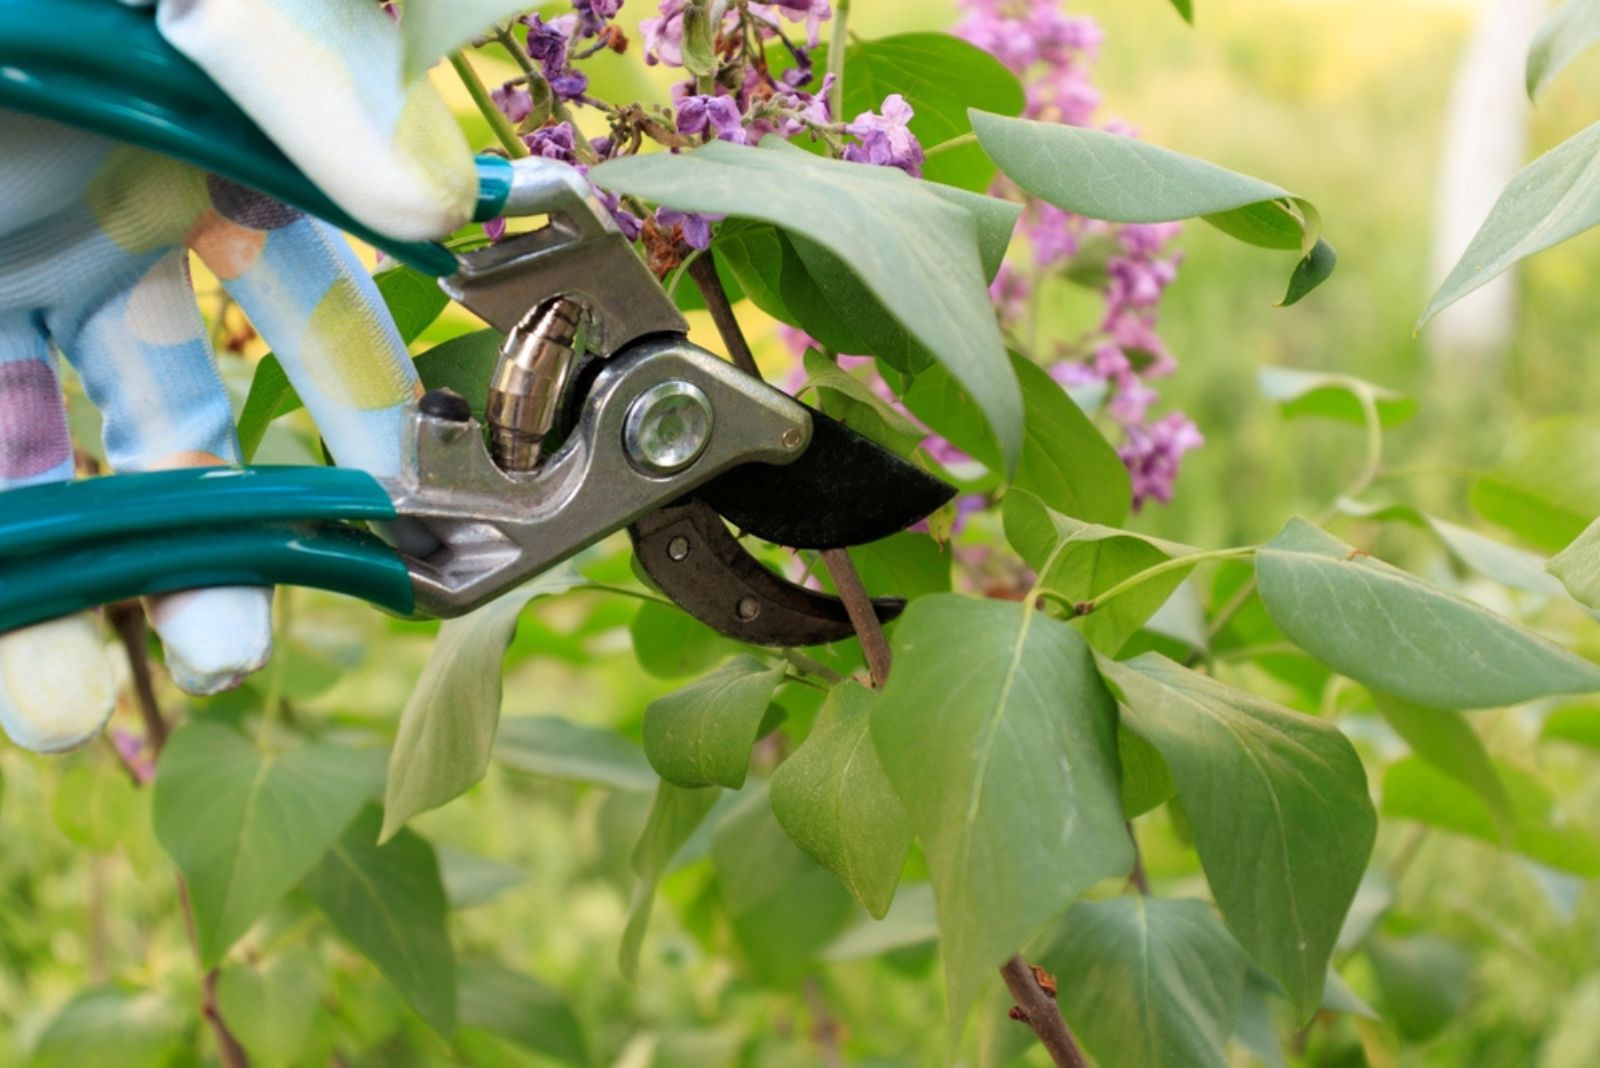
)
(214, 638)
(57, 686)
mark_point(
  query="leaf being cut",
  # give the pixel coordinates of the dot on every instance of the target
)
(1147, 983)
(244, 827)
(447, 728)
(1333, 396)
(1566, 33)
(1578, 567)
(1549, 201)
(833, 799)
(1392, 632)
(1020, 776)
(701, 735)
(917, 252)
(1121, 179)
(388, 901)
(1278, 802)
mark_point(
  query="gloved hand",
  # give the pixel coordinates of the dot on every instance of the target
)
(94, 242)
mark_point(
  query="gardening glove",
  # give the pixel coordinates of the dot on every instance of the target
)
(94, 243)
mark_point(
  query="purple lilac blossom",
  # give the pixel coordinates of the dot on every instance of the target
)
(1052, 52)
(514, 102)
(885, 137)
(719, 114)
(696, 229)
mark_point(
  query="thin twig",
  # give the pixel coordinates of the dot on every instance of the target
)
(703, 270)
(1038, 1010)
(858, 604)
(1138, 878)
(128, 619)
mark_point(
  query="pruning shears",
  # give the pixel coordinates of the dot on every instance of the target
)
(601, 414)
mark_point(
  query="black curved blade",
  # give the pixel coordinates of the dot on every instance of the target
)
(845, 490)
(688, 552)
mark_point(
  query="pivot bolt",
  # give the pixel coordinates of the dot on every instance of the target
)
(668, 426)
(445, 404)
(678, 548)
(748, 609)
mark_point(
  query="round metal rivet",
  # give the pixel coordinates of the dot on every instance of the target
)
(668, 426)
(678, 548)
(791, 438)
(749, 608)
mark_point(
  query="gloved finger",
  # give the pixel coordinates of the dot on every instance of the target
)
(323, 79)
(311, 299)
(141, 350)
(56, 683)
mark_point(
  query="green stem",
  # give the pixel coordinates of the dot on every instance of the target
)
(1175, 564)
(623, 591)
(273, 704)
(968, 138)
(501, 125)
(838, 46)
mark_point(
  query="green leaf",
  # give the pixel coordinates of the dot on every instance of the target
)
(701, 735)
(699, 33)
(910, 922)
(413, 299)
(518, 1007)
(107, 1026)
(558, 748)
(94, 807)
(389, 903)
(471, 880)
(670, 643)
(1447, 741)
(1147, 983)
(1578, 566)
(447, 728)
(1185, 8)
(1503, 563)
(1414, 789)
(784, 909)
(432, 29)
(1146, 782)
(1120, 179)
(1279, 807)
(674, 815)
(915, 251)
(907, 564)
(465, 364)
(1333, 396)
(1550, 200)
(1019, 777)
(1546, 487)
(835, 802)
(1394, 633)
(244, 827)
(1564, 35)
(1256, 1030)
(853, 403)
(940, 76)
(1579, 724)
(1077, 561)
(1423, 981)
(1066, 461)
(273, 1007)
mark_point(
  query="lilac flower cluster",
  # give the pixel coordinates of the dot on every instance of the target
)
(1052, 52)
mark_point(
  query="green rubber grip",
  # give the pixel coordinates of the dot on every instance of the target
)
(329, 556)
(61, 514)
(54, 62)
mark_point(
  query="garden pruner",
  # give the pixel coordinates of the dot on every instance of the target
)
(600, 415)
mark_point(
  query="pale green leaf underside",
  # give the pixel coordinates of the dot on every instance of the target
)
(1335, 396)
(1578, 567)
(433, 28)
(1392, 632)
(1278, 802)
(1565, 34)
(1554, 198)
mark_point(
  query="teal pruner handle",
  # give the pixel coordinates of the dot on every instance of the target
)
(69, 546)
(54, 62)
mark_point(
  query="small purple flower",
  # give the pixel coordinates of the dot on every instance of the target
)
(594, 14)
(556, 141)
(495, 229)
(718, 113)
(663, 34)
(1153, 456)
(629, 223)
(696, 228)
(514, 102)
(886, 139)
(547, 41)
(812, 12)
(568, 84)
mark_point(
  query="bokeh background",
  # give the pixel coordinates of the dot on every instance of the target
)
(1342, 101)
